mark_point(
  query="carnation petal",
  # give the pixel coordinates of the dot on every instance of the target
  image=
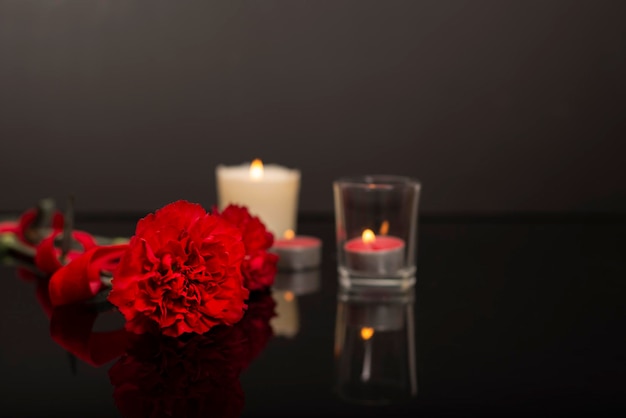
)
(178, 215)
(80, 279)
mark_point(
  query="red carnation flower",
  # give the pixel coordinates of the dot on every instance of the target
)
(259, 265)
(259, 270)
(181, 273)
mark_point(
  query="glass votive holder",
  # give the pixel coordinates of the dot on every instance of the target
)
(376, 224)
(375, 347)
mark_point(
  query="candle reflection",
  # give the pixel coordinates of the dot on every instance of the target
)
(366, 334)
(384, 228)
(375, 346)
(286, 323)
(288, 287)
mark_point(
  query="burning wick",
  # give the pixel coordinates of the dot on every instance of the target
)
(368, 236)
(256, 170)
(289, 234)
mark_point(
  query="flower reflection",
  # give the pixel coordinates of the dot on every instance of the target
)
(161, 376)
(167, 377)
(71, 327)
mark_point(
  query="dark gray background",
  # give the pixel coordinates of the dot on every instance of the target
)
(497, 106)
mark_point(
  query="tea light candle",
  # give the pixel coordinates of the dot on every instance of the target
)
(270, 192)
(297, 252)
(375, 254)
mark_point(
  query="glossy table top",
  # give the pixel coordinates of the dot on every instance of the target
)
(512, 317)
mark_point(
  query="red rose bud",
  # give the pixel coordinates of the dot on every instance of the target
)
(259, 266)
(26, 224)
(26, 231)
(81, 279)
(47, 257)
(181, 273)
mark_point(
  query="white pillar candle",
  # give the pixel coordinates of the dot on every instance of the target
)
(269, 192)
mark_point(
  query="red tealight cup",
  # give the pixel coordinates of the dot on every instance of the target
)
(372, 254)
(298, 252)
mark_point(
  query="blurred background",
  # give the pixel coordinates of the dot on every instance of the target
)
(496, 106)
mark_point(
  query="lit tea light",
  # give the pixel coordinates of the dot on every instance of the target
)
(288, 287)
(369, 253)
(269, 191)
(297, 252)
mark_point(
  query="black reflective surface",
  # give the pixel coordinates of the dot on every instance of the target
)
(512, 318)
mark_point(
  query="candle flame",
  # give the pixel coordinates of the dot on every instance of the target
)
(289, 234)
(368, 236)
(384, 228)
(256, 169)
(367, 333)
(288, 296)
